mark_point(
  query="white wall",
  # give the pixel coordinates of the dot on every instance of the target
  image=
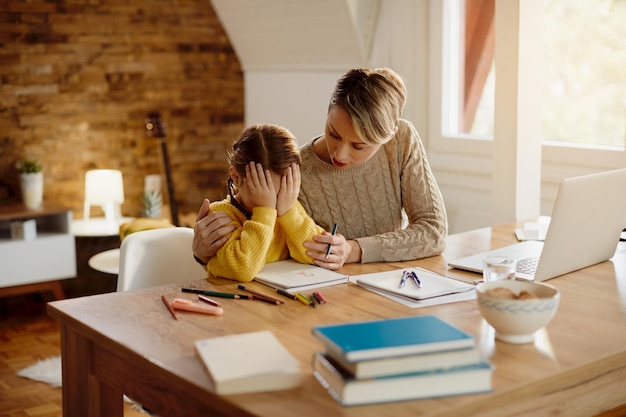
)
(406, 40)
(295, 100)
(299, 99)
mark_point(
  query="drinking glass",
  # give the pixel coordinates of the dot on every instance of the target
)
(496, 268)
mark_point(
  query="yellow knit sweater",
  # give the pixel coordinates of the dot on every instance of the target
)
(262, 239)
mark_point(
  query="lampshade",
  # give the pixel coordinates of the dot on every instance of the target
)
(104, 188)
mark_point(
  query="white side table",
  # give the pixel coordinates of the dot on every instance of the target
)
(98, 226)
(107, 261)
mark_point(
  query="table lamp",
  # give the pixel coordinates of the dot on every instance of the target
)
(104, 188)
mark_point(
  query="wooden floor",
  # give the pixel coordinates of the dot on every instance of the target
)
(28, 335)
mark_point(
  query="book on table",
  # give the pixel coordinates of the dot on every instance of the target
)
(407, 363)
(248, 362)
(386, 338)
(292, 276)
(348, 390)
(431, 284)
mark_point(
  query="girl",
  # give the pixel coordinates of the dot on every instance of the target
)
(263, 186)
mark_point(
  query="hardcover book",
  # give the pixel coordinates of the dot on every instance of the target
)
(348, 390)
(292, 276)
(392, 337)
(248, 362)
(407, 363)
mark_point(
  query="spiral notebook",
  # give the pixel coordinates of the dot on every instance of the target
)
(292, 276)
(432, 284)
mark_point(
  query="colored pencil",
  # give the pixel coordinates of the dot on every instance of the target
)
(217, 294)
(169, 307)
(260, 296)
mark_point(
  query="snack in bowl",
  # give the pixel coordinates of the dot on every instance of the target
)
(517, 309)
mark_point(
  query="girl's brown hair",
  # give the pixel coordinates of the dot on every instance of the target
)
(272, 146)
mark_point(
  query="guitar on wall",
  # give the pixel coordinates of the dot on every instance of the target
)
(155, 129)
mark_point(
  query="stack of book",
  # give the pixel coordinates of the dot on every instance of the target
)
(398, 359)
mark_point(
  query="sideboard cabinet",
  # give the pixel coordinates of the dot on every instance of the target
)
(38, 262)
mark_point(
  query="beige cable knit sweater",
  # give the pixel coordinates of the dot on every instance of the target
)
(367, 200)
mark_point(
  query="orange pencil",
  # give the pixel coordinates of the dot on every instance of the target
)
(169, 307)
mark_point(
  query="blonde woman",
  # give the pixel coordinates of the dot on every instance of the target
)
(368, 173)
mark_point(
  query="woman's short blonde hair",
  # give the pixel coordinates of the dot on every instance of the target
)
(374, 99)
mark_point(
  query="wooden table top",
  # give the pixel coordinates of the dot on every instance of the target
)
(586, 338)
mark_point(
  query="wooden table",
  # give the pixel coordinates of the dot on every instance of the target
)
(128, 343)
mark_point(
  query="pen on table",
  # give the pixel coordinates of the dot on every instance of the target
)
(208, 300)
(286, 294)
(416, 279)
(169, 307)
(217, 294)
(303, 299)
(403, 280)
(334, 232)
(261, 296)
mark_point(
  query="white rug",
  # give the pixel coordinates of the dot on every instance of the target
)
(50, 371)
(47, 370)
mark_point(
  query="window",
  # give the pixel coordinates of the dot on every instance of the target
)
(584, 71)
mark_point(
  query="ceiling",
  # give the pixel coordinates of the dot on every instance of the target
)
(293, 35)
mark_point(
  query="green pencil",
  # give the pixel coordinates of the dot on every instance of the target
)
(217, 294)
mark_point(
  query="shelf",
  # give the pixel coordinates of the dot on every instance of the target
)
(30, 265)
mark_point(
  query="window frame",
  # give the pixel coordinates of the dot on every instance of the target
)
(584, 157)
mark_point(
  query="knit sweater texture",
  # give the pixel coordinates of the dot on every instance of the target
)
(262, 239)
(369, 201)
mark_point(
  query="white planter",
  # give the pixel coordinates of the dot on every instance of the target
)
(32, 189)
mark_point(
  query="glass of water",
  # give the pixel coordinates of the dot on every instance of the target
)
(496, 268)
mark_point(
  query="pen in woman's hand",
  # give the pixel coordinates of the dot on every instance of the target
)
(334, 232)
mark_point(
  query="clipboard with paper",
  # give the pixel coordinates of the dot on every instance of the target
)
(433, 284)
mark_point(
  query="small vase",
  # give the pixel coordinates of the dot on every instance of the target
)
(32, 189)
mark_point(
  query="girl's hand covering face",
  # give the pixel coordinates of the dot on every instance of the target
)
(289, 189)
(260, 187)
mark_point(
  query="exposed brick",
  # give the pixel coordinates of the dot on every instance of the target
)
(79, 78)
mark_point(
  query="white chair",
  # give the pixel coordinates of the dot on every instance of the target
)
(104, 188)
(158, 256)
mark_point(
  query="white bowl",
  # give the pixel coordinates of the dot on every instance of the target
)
(517, 320)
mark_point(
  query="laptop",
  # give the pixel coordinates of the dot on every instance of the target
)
(588, 217)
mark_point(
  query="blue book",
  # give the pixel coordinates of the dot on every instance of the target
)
(392, 337)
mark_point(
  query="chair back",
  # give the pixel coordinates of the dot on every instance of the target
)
(158, 256)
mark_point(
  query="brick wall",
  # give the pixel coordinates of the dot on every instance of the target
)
(79, 78)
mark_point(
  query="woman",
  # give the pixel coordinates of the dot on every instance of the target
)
(366, 173)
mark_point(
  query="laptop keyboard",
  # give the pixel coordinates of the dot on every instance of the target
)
(528, 265)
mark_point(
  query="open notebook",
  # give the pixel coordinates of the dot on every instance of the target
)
(433, 284)
(292, 276)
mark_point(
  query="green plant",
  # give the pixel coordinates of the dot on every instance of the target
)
(28, 166)
(152, 204)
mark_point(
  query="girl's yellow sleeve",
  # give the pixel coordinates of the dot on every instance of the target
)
(299, 228)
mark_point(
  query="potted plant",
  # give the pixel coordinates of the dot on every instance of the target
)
(31, 182)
